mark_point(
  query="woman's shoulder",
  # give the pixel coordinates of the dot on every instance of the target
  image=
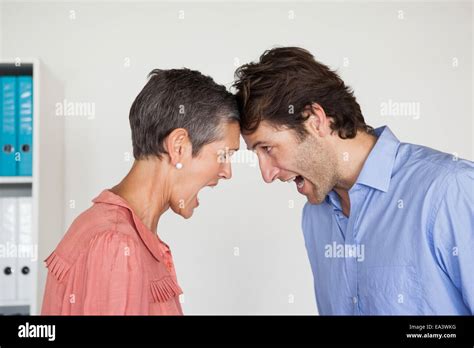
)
(110, 225)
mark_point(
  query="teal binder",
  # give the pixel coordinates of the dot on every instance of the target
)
(25, 125)
(8, 128)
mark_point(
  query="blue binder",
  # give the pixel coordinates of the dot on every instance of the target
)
(8, 137)
(25, 125)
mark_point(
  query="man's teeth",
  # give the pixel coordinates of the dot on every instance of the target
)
(299, 181)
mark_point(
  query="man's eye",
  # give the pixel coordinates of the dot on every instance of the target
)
(267, 148)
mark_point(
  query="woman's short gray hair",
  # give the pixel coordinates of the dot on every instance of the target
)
(179, 98)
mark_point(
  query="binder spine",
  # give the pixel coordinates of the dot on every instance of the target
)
(8, 126)
(25, 125)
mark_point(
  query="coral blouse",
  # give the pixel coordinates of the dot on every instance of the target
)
(110, 263)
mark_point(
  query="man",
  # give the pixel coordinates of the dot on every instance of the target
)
(389, 226)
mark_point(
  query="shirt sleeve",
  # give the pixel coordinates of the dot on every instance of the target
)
(114, 280)
(453, 233)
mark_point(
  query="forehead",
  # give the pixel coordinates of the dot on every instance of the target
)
(267, 133)
(231, 134)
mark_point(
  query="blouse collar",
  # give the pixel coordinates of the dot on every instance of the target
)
(156, 246)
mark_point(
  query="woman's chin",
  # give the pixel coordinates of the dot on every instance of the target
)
(187, 213)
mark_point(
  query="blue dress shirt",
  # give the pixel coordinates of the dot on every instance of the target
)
(407, 246)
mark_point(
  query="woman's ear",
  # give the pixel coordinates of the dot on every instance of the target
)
(177, 144)
(317, 120)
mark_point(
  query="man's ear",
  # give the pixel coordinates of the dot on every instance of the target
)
(177, 144)
(317, 121)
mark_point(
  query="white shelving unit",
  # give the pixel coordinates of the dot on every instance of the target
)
(16, 180)
(44, 186)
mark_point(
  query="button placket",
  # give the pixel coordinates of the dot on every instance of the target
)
(351, 262)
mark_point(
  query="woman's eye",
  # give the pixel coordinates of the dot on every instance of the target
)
(226, 155)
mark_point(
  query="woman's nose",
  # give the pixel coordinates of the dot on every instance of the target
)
(226, 172)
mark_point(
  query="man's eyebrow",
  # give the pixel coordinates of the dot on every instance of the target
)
(255, 145)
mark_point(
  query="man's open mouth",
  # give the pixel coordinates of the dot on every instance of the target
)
(299, 180)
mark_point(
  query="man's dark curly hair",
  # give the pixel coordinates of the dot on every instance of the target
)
(283, 82)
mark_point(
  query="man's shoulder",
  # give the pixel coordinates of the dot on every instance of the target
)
(429, 166)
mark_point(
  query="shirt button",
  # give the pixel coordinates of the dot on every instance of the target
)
(354, 299)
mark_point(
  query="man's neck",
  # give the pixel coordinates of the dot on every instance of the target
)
(352, 154)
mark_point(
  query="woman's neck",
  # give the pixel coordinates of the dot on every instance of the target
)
(146, 191)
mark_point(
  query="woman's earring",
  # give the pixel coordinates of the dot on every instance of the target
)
(179, 165)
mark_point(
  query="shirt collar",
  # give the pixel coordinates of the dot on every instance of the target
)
(377, 169)
(151, 240)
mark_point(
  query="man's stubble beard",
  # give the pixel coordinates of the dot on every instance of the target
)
(319, 165)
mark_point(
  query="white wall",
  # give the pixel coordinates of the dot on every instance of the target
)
(389, 58)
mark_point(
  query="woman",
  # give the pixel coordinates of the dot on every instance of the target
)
(111, 261)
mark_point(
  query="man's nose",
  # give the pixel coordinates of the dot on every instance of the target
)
(269, 172)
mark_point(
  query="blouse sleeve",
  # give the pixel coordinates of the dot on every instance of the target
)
(114, 280)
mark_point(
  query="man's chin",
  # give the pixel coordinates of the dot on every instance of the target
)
(314, 200)
(312, 194)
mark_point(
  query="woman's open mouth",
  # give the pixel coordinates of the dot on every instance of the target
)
(196, 200)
